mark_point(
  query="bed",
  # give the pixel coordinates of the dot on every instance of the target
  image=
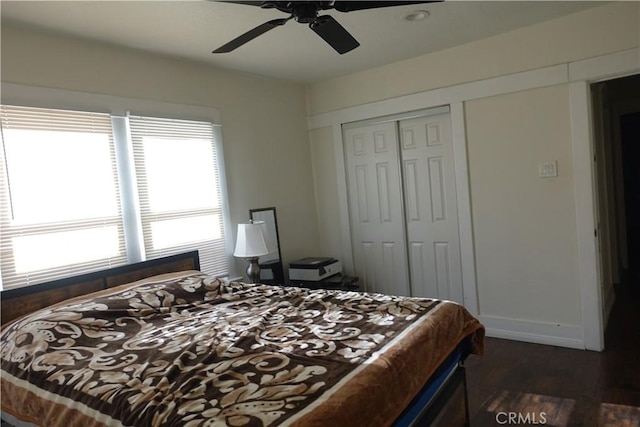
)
(184, 348)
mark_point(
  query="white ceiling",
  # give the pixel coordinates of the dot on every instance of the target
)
(192, 29)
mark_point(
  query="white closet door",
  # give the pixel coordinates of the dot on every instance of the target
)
(375, 202)
(431, 207)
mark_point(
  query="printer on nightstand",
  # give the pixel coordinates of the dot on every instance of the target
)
(314, 269)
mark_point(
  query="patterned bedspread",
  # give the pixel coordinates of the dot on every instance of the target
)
(186, 349)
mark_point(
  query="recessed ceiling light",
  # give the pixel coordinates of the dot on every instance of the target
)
(416, 15)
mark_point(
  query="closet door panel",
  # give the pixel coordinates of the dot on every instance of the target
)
(431, 207)
(376, 208)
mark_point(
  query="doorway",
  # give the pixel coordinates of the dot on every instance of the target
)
(630, 138)
(616, 119)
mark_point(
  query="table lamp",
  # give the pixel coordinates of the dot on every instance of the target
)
(251, 244)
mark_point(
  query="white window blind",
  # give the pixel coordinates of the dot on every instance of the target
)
(179, 189)
(60, 209)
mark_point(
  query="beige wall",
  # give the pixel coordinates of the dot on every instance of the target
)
(325, 180)
(524, 226)
(596, 31)
(266, 144)
(525, 238)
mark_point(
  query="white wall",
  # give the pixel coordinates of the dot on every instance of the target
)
(526, 250)
(266, 145)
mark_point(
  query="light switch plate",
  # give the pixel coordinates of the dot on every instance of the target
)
(548, 169)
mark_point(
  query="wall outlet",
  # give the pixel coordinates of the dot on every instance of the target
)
(548, 169)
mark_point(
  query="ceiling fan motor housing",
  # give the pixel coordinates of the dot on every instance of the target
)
(305, 13)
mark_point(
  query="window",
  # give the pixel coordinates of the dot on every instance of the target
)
(58, 191)
(62, 207)
(179, 189)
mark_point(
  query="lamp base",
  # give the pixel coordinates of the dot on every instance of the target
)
(253, 270)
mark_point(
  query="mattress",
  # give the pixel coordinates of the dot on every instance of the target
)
(188, 349)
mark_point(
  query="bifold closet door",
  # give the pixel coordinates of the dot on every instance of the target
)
(375, 208)
(433, 241)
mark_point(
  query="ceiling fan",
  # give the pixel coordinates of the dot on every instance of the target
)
(306, 12)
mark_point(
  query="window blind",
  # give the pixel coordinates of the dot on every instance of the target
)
(179, 189)
(60, 210)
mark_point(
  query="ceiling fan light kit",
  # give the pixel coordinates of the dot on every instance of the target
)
(306, 12)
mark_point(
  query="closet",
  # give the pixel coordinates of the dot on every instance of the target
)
(402, 204)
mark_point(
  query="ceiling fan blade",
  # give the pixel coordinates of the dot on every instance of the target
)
(250, 35)
(334, 34)
(348, 6)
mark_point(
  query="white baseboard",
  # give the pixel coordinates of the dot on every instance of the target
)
(534, 332)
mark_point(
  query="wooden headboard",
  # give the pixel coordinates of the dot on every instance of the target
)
(17, 302)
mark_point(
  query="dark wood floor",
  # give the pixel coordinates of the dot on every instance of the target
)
(571, 387)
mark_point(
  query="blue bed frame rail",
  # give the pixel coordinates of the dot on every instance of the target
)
(431, 399)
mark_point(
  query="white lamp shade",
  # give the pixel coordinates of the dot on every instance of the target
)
(251, 241)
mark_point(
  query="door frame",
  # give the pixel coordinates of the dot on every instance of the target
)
(582, 74)
(611, 235)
